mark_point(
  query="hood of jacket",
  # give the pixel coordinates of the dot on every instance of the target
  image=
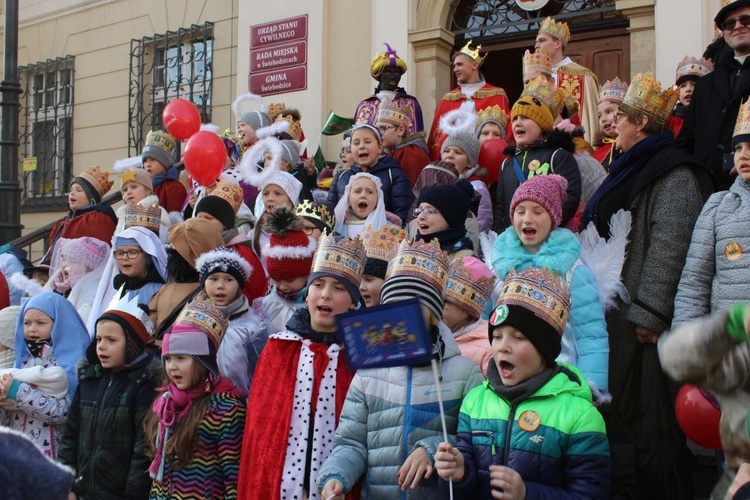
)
(567, 379)
(558, 253)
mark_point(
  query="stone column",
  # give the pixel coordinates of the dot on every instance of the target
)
(642, 33)
(432, 56)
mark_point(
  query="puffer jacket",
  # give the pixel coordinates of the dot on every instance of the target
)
(717, 269)
(714, 354)
(564, 454)
(396, 186)
(103, 439)
(388, 413)
(474, 343)
(585, 341)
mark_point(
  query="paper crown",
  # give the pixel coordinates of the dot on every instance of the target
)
(295, 126)
(545, 92)
(98, 179)
(161, 139)
(319, 212)
(275, 107)
(387, 59)
(541, 292)
(205, 317)
(495, 113)
(467, 293)
(742, 126)
(473, 53)
(383, 243)
(126, 303)
(556, 30)
(229, 192)
(537, 62)
(645, 94)
(695, 67)
(395, 112)
(421, 260)
(143, 216)
(344, 258)
(613, 90)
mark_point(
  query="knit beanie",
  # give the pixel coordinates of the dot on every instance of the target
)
(94, 182)
(419, 270)
(466, 142)
(159, 146)
(256, 119)
(290, 152)
(218, 209)
(194, 237)
(451, 200)
(136, 335)
(534, 109)
(536, 302)
(223, 260)
(197, 333)
(139, 176)
(27, 474)
(289, 252)
(550, 191)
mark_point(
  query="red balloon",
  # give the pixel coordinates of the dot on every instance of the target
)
(491, 156)
(698, 416)
(205, 157)
(181, 119)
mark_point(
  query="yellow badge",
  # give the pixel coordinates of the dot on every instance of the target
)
(529, 421)
(534, 165)
(733, 251)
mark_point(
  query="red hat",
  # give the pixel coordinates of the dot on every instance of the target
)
(289, 253)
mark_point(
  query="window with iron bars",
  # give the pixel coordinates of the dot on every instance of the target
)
(165, 67)
(46, 133)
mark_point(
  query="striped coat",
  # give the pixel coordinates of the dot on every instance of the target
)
(212, 474)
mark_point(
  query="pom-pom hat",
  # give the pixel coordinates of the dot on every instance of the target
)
(223, 260)
(289, 252)
(536, 302)
(197, 333)
(550, 191)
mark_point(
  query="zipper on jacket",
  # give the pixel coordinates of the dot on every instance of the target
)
(488, 434)
(508, 431)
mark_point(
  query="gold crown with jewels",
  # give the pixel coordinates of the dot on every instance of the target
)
(645, 94)
(537, 62)
(540, 291)
(206, 317)
(467, 293)
(421, 260)
(742, 126)
(495, 113)
(229, 192)
(613, 90)
(556, 30)
(547, 93)
(319, 212)
(473, 53)
(383, 243)
(143, 216)
(344, 258)
(693, 66)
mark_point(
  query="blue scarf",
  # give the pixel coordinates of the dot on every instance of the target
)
(170, 175)
(623, 169)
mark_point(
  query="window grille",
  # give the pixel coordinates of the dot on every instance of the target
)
(46, 133)
(165, 67)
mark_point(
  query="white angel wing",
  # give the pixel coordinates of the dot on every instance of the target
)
(121, 166)
(486, 244)
(605, 258)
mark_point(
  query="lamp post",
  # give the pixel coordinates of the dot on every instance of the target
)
(10, 192)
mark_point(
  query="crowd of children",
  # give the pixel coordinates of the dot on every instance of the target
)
(186, 345)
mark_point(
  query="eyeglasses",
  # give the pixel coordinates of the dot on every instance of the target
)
(131, 254)
(729, 24)
(309, 230)
(384, 128)
(426, 211)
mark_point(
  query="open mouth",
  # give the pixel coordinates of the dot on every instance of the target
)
(363, 156)
(324, 310)
(529, 232)
(104, 359)
(362, 205)
(506, 369)
(424, 227)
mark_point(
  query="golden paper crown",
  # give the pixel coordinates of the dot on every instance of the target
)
(645, 94)
(344, 258)
(569, 102)
(395, 112)
(161, 139)
(319, 212)
(613, 90)
(693, 66)
(229, 192)
(473, 53)
(421, 260)
(538, 62)
(467, 293)
(541, 292)
(494, 113)
(383, 243)
(98, 179)
(295, 126)
(742, 126)
(138, 215)
(275, 107)
(547, 93)
(206, 317)
(560, 30)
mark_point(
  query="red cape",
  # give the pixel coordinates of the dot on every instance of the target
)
(172, 195)
(94, 223)
(412, 160)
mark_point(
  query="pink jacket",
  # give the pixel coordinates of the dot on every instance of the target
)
(474, 343)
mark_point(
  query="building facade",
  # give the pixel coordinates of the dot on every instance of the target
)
(95, 74)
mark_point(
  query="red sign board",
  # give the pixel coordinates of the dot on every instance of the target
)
(278, 56)
(279, 81)
(284, 30)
